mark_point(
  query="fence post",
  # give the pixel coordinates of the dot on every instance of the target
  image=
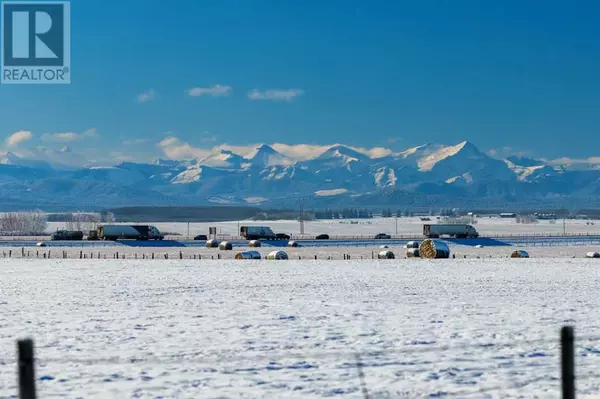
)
(567, 359)
(26, 369)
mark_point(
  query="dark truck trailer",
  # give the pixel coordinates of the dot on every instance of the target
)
(261, 233)
(67, 235)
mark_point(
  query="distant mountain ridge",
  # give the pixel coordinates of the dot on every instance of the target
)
(426, 175)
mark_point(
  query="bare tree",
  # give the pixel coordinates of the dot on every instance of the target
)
(526, 219)
(459, 220)
(81, 221)
(23, 223)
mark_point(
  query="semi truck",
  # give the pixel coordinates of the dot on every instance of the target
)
(452, 230)
(115, 232)
(261, 233)
(66, 235)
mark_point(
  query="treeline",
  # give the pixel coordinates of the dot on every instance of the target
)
(346, 213)
(360, 213)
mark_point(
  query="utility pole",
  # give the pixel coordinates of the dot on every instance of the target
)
(301, 217)
(396, 224)
(564, 227)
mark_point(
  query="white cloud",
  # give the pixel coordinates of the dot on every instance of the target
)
(174, 148)
(302, 152)
(275, 94)
(18, 138)
(215, 91)
(90, 133)
(146, 96)
(69, 136)
(574, 161)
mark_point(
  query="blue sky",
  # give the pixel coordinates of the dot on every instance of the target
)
(516, 74)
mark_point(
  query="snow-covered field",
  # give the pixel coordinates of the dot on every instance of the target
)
(370, 227)
(225, 329)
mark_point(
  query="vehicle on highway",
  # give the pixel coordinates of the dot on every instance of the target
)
(201, 237)
(382, 236)
(451, 230)
(115, 232)
(66, 235)
(261, 233)
(322, 237)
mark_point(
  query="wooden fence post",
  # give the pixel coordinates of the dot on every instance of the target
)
(26, 369)
(567, 360)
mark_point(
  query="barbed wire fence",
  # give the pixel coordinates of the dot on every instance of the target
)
(27, 362)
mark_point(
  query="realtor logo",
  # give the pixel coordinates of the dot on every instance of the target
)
(36, 42)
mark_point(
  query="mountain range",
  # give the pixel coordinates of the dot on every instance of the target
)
(420, 177)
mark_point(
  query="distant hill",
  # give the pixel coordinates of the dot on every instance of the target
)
(429, 175)
(184, 213)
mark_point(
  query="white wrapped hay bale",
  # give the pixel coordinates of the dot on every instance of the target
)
(479, 246)
(434, 249)
(212, 244)
(277, 255)
(292, 244)
(412, 244)
(383, 247)
(385, 255)
(225, 246)
(248, 255)
(412, 253)
(592, 255)
(519, 253)
(254, 244)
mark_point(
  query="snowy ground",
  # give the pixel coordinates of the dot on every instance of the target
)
(217, 329)
(367, 228)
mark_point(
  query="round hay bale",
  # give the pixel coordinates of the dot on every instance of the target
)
(592, 255)
(212, 244)
(479, 246)
(225, 246)
(254, 244)
(41, 244)
(383, 247)
(277, 255)
(292, 244)
(412, 244)
(519, 253)
(412, 253)
(248, 255)
(434, 249)
(385, 255)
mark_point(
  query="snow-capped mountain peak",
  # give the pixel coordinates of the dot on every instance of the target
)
(223, 159)
(266, 155)
(342, 151)
(464, 149)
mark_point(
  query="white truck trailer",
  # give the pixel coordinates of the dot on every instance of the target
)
(452, 230)
(127, 232)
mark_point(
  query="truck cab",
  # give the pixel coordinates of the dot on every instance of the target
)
(155, 233)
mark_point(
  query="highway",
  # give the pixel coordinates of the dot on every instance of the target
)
(496, 241)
